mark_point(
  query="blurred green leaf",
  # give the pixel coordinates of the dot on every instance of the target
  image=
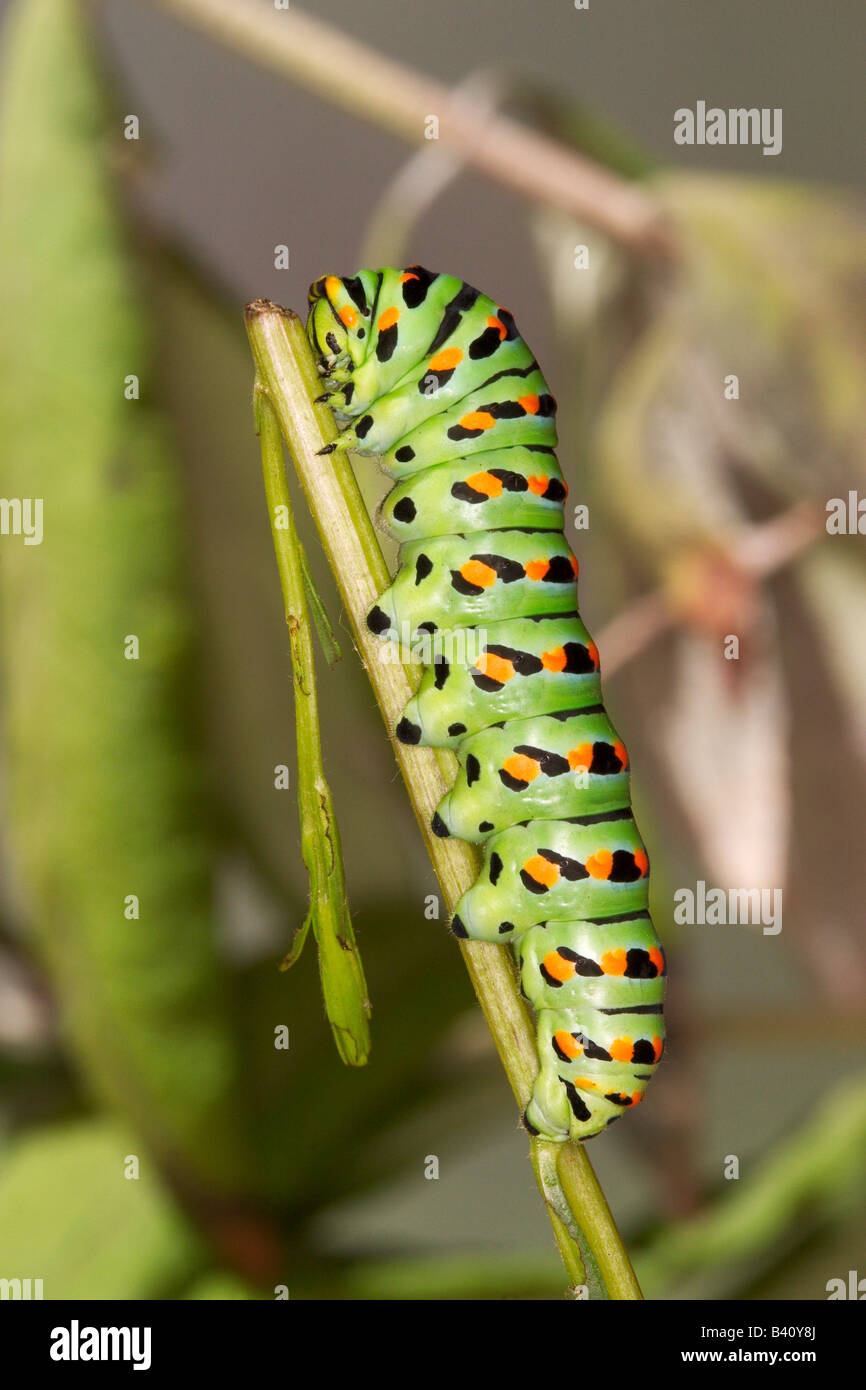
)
(105, 793)
(71, 1217)
(505, 1274)
(817, 1175)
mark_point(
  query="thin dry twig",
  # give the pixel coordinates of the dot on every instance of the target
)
(368, 85)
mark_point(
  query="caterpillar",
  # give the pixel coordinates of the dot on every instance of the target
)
(434, 378)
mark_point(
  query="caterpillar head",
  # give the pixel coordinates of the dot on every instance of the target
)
(339, 322)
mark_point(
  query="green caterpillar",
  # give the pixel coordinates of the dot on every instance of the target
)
(433, 376)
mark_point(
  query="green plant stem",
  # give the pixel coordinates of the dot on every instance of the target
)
(340, 968)
(286, 370)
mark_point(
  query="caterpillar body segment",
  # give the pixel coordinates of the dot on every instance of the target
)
(542, 767)
(500, 671)
(462, 581)
(433, 377)
(573, 971)
(489, 491)
(556, 869)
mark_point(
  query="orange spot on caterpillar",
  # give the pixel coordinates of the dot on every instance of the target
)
(537, 569)
(529, 403)
(348, 315)
(585, 1084)
(553, 660)
(486, 483)
(592, 649)
(558, 967)
(574, 565)
(619, 750)
(333, 286)
(621, 1049)
(580, 758)
(446, 360)
(494, 322)
(407, 275)
(599, 865)
(388, 319)
(636, 1097)
(538, 484)
(614, 962)
(567, 1043)
(498, 668)
(477, 420)
(521, 767)
(658, 1047)
(641, 861)
(658, 960)
(475, 572)
(541, 870)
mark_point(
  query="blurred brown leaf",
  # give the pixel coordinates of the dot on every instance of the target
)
(725, 734)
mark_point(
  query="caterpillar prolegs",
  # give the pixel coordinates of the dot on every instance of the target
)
(432, 376)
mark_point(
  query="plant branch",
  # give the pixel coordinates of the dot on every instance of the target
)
(340, 968)
(366, 84)
(287, 373)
